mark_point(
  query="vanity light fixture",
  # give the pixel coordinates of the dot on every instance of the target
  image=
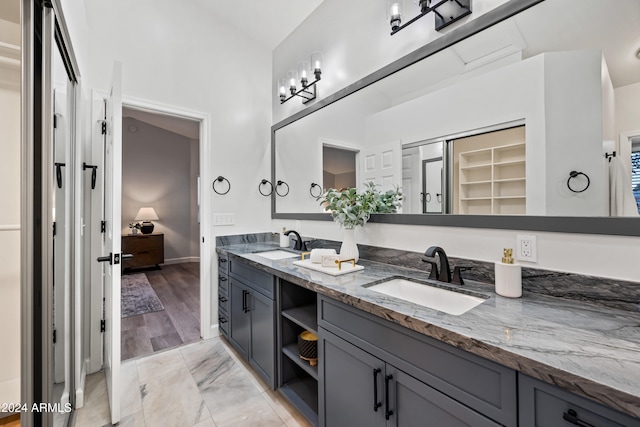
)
(445, 11)
(297, 81)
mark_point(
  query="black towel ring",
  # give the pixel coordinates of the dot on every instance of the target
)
(278, 185)
(574, 174)
(313, 185)
(220, 179)
(265, 182)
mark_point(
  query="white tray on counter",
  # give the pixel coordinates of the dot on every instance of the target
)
(346, 267)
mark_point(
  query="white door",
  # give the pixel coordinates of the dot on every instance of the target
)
(382, 164)
(112, 256)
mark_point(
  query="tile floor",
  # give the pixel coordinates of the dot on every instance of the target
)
(203, 384)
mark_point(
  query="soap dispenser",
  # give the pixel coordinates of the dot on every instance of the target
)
(508, 276)
(284, 239)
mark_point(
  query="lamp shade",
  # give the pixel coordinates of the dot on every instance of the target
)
(146, 214)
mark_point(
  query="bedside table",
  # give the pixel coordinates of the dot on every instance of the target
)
(147, 250)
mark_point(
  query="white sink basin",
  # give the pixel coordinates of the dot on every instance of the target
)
(428, 296)
(277, 254)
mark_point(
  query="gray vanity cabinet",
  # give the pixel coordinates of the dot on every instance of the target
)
(252, 329)
(422, 381)
(223, 295)
(359, 389)
(543, 404)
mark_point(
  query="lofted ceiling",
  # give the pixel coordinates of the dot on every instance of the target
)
(267, 22)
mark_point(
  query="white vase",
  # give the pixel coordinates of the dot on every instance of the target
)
(349, 248)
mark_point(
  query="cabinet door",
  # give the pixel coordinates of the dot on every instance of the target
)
(415, 404)
(240, 327)
(262, 348)
(347, 390)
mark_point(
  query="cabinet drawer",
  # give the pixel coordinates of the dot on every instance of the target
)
(542, 404)
(223, 283)
(485, 386)
(223, 323)
(223, 264)
(141, 242)
(254, 278)
(223, 302)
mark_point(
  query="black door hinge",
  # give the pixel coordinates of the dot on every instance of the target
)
(47, 3)
(55, 121)
(54, 229)
(104, 127)
(55, 336)
(103, 326)
(103, 226)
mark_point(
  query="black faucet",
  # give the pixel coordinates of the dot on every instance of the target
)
(300, 244)
(445, 269)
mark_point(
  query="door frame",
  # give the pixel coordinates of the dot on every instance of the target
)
(207, 330)
(206, 246)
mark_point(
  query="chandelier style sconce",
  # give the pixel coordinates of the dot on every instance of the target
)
(297, 82)
(445, 11)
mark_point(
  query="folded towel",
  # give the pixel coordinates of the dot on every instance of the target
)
(316, 254)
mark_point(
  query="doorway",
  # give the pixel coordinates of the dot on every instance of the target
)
(161, 301)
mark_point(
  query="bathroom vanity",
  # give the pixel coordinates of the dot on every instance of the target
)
(532, 361)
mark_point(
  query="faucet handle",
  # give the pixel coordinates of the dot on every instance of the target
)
(434, 268)
(457, 274)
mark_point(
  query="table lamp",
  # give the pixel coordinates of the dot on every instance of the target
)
(146, 215)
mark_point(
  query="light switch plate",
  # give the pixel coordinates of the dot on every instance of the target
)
(224, 219)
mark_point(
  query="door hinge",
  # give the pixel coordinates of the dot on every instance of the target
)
(54, 229)
(104, 127)
(103, 326)
(47, 4)
(55, 121)
(55, 336)
(103, 226)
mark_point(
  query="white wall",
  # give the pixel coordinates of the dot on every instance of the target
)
(354, 39)
(157, 172)
(350, 55)
(10, 219)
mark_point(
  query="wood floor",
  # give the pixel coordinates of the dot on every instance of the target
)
(178, 287)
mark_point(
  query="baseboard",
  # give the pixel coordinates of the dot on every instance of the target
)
(80, 387)
(181, 260)
(214, 332)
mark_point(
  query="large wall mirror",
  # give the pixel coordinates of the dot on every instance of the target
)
(509, 126)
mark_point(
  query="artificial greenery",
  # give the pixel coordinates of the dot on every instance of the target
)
(349, 207)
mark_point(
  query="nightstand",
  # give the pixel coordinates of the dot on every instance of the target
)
(147, 250)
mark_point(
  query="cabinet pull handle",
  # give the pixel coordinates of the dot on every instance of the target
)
(222, 278)
(571, 416)
(244, 301)
(376, 404)
(222, 320)
(222, 299)
(222, 260)
(388, 412)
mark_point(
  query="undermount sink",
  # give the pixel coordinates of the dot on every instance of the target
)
(277, 254)
(433, 297)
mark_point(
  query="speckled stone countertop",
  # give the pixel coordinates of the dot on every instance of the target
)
(589, 350)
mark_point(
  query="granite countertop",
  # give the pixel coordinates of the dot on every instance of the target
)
(585, 349)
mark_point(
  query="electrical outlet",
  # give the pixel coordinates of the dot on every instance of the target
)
(526, 249)
(224, 219)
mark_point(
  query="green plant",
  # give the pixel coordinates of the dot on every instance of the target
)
(349, 207)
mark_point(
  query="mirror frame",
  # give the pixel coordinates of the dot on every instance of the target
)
(617, 226)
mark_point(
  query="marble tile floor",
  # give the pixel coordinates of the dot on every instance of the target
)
(204, 384)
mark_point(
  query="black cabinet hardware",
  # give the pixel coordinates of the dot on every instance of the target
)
(376, 404)
(571, 416)
(388, 412)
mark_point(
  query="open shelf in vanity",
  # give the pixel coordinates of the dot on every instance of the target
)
(298, 379)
